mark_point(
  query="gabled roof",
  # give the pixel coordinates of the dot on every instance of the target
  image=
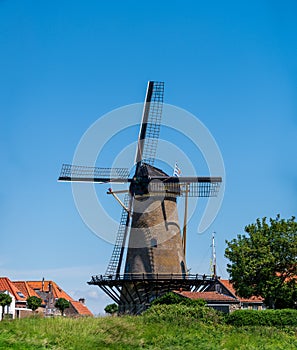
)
(21, 290)
(228, 285)
(81, 308)
(25, 289)
(226, 294)
(208, 296)
(7, 285)
(46, 285)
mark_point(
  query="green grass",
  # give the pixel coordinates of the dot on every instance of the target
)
(142, 332)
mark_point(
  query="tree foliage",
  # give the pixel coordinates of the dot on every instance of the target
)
(270, 318)
(62, 304)
(5, 300)
(111, 308)
(181, 314)
(171, 298)
(34, 303)
(264, 262)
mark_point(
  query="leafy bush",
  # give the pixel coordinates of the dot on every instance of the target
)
(34, 303)
(181, 314)
(5, 300)
(278, 318)
(173, 298)
(111, 308)
(62, 304)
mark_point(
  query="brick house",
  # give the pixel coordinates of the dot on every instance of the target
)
(222, 297)
(48, 291)
(255, 303)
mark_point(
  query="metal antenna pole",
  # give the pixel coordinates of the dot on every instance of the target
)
(214, 262)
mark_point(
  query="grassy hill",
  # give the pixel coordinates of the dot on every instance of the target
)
(141, 332)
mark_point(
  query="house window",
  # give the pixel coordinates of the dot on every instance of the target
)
(20, 294)
(154, 243)
(218, 288)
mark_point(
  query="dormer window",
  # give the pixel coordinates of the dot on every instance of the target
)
(20, 294)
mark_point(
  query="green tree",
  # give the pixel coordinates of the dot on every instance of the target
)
(5, 300)
(34, 303)
(111, 308)
(62, 304)
(170, 298)
(264, 262)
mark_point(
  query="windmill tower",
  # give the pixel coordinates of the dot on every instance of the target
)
(155, 255)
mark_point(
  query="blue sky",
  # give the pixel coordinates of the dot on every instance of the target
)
(64, 64)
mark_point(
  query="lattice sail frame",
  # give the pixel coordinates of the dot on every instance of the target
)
(150, 124)
(186, 186)
(153, 125)
(114, 264)
(71, 172)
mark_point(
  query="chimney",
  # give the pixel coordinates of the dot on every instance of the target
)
(42, 288)
(82, 300)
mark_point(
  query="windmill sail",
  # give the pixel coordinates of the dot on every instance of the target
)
(93, 174)
(150, 124)
(179, 186)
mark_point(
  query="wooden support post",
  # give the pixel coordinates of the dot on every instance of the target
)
(185, 220)
(110, 191)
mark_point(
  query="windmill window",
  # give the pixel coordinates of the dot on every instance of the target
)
(183, 269)
(154, 243)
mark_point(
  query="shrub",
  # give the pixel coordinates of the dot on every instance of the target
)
(62, 304)
(278, 318)
(5, 300)
(173, 298)
(34, 303)
(111, 309)
(180, 314)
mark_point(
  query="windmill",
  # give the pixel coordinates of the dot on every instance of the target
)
(155, 254)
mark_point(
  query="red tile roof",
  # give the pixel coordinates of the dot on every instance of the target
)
(25, 289)
(208, 296)
(59, 293)
(81, 308)
(220, 297)
(7, 285)
(288, 278)
(21, 290)
(45, 286)
(230, 287)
